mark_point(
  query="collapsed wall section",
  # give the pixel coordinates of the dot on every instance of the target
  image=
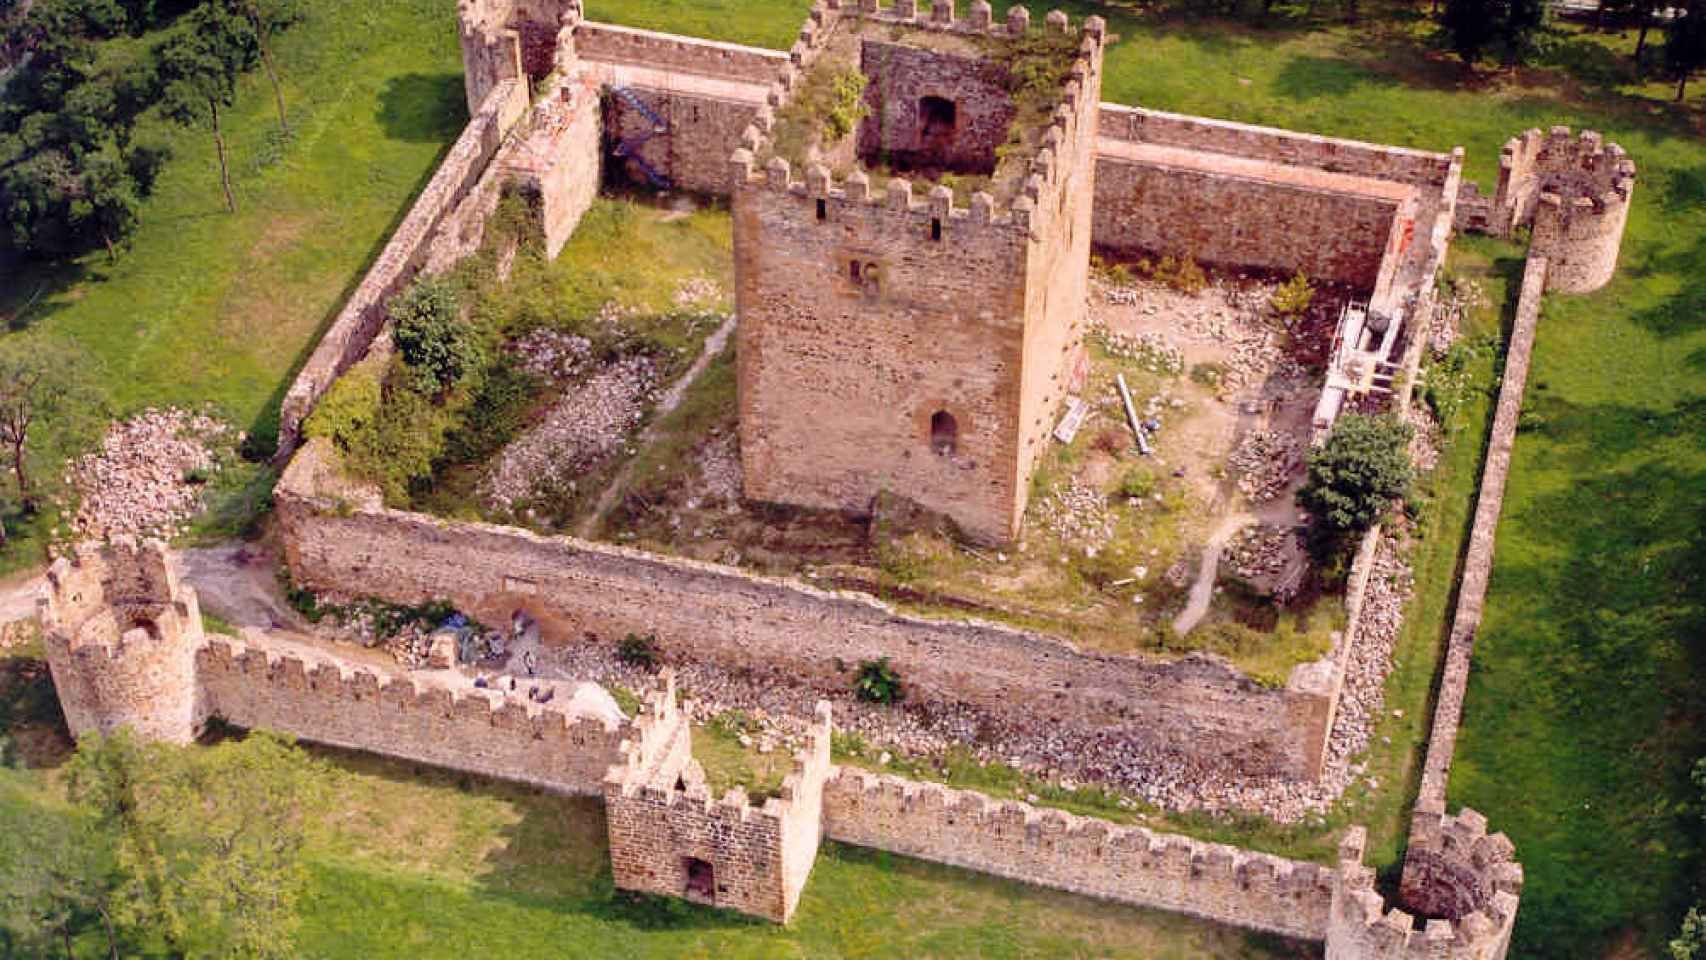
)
(1199, 707)
(1079, 854)
(487, 732)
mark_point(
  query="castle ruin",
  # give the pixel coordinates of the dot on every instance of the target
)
(892, 337)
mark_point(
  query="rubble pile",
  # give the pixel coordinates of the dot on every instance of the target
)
(698, 293)
(1259, 550)
(1424, 443)
(584, 427)
(1078, 513)
(1234, 312)
(552, 354)
(1446, 321)
(1151, 351)
(1266, 461)
(778, 709)
(146, 479)
(719, 470)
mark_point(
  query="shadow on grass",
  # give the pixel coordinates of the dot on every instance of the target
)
(1314, 78)
(1597, 687)
(422, 108)
(1684, 313)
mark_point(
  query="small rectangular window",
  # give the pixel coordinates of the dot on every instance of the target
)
(935, 228)
(822, 210)
(853, 270)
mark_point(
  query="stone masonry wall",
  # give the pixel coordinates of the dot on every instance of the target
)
(1240, 221)
(1575, 192)
(901, 75)
(1080, 854)
(669, 836)
(558, 158)
(701, 131)
(1360, 927)
(120, 632)
(362, 316)
(614, 44)
(1478, 561)
(1197, 706)
(485, 732)
(1415, 167)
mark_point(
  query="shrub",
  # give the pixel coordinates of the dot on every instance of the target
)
(845, 105)
(348, 413)
(1293, 297)
(438, 348)
(878, 682)
(1210, 375)
(1358, 472)
(1182, 275)
(637, 650)
(407, 438)
(1137, 482)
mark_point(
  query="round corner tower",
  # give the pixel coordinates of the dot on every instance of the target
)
(121, 634)
(1574, 192)
(1461, 886)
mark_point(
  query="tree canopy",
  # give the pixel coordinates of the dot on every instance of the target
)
(1356, 475)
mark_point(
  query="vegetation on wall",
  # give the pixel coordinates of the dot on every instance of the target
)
(1355, 476)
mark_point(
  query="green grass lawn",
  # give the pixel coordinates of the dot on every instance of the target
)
(423, 863)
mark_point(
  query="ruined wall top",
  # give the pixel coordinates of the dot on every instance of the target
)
(1073, 115)
(103, 590)
(1480, 929)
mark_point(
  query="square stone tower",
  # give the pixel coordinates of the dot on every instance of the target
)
(911, 231)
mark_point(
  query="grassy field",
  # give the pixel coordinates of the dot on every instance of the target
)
(1585, 705)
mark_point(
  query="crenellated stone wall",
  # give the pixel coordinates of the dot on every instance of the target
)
(669, 836)
(1080, 854)
(1361, 927)
(485, 731)
(1574, 192)
(917, 347)
(121, 631)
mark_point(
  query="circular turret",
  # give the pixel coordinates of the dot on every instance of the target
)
(1574, 193)
(121, 634)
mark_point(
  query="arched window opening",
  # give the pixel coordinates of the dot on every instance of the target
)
(936, 119)
(944, 433)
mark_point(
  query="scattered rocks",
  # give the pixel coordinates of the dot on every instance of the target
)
(584, 427)
(147, 477)
(552, 354)
(1077, 513)
(1266, 461)
(700, 293)
(1259, 550)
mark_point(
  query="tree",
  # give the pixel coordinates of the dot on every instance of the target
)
(56, 873)
(1685, 44)
(1645, 12)
(209, 840)
(200, 66)
(437, 346)
(48, 407)
(1519, 20)
(1469, 26)
(1358, 472)
(266, 18)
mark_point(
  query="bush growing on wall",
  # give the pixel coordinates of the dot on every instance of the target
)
(1356, 475)
(439, 349)
(878, 682)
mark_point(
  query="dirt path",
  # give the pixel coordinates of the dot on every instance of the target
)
(1202, 591)
(588, 526)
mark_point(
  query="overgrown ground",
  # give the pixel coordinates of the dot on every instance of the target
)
(1578, 726)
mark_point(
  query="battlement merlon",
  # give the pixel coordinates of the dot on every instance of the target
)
(1063, 146)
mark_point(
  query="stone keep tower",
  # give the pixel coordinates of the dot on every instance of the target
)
(902, 338)
(1575, 193)
(122, 633)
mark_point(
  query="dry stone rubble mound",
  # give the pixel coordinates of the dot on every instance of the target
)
(147, 476)
(1266, 461)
